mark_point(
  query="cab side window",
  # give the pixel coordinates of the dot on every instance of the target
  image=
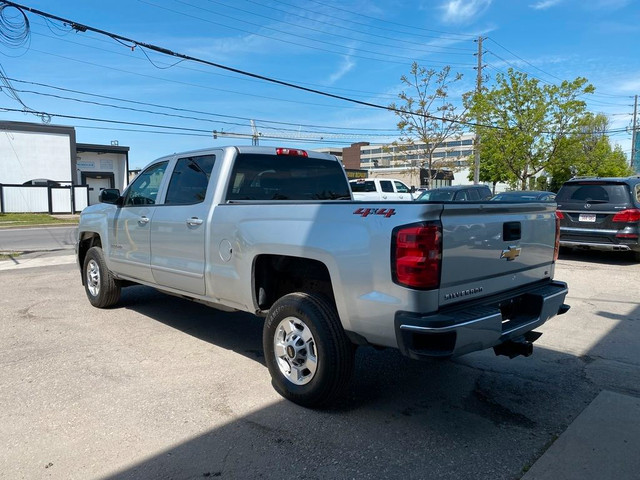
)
(386, 186)
(474, 195)
(461, 196)
(401, 187)
(144, 189)
(189, 180)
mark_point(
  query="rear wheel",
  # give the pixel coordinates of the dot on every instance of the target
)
(309, 356)
(102, 289)
(636, 255)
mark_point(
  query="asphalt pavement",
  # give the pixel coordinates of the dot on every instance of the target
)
(38, 238)
(153, 389)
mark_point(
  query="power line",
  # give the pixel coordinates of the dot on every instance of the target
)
(354, 49)
(353, 91)
(334, 34)
(591, 100)
(357, 92)
(542, 71)
(184, 130)
(83, 28)
(186, 117)
(342, 27)
(350, 12)
(200, 112)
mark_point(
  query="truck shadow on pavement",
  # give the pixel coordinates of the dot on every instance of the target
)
(237, 331)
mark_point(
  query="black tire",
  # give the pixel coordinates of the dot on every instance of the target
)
(326, 350)
(636, 256)
(102, 289)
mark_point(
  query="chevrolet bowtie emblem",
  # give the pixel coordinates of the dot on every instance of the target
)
(510, 253)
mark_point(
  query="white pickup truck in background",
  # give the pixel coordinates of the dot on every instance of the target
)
(380, 189)
(275, 232)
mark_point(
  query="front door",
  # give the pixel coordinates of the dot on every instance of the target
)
(132, 224)
(96, 185)
(178, 228)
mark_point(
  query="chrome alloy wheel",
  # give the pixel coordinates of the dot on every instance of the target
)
(93, 277)
(295, 351)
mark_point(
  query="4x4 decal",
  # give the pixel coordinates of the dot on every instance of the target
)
(385, 212)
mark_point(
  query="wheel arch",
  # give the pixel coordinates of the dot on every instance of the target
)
(275, 276)
(86, 240)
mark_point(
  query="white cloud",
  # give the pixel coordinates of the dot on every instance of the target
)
(462, 11)
(544, 4)
(346, 67)
(631, 85)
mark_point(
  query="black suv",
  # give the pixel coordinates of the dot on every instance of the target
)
(456, 193)
(600, 214)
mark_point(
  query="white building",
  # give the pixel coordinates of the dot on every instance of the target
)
(48, 157)
(457, 152)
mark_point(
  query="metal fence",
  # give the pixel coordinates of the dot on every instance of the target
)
(43, 199)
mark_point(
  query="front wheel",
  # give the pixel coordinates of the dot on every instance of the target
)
(309, 356)
(102, 289)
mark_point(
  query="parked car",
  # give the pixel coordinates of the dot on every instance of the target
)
(600, 214)
(525, 196)
(456, 193)
(379, 189)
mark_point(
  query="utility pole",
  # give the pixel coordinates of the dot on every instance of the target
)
(634, 133)
(254, 134)
(476, 160)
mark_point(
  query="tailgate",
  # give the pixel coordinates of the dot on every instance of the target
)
(490, 248)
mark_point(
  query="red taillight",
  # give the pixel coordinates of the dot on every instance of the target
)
(294, 152)
(556, 246)
(417, 254)
(631, 215)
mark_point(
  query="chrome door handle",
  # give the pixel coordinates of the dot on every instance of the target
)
(143, 220)
(193, 221)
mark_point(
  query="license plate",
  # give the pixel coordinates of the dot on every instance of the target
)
(587, 218)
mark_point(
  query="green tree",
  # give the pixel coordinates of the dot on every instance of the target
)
(588, 152)
(523, 125)
(427, 117)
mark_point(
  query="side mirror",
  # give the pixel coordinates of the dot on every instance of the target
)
(109, 195)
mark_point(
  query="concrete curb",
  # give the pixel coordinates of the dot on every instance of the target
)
(603, 442)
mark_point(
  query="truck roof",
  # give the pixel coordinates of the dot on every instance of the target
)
(251, 149)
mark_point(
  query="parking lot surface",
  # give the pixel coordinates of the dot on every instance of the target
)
(160, 387)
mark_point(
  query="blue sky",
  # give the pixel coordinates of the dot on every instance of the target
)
(354, 49)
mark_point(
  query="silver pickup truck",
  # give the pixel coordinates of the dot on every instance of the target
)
(275, 232)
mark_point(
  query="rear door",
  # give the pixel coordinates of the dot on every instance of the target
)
(178, 229)
(386, 190)
(489, 248)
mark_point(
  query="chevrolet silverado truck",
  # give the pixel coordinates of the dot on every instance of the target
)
(276, 232)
